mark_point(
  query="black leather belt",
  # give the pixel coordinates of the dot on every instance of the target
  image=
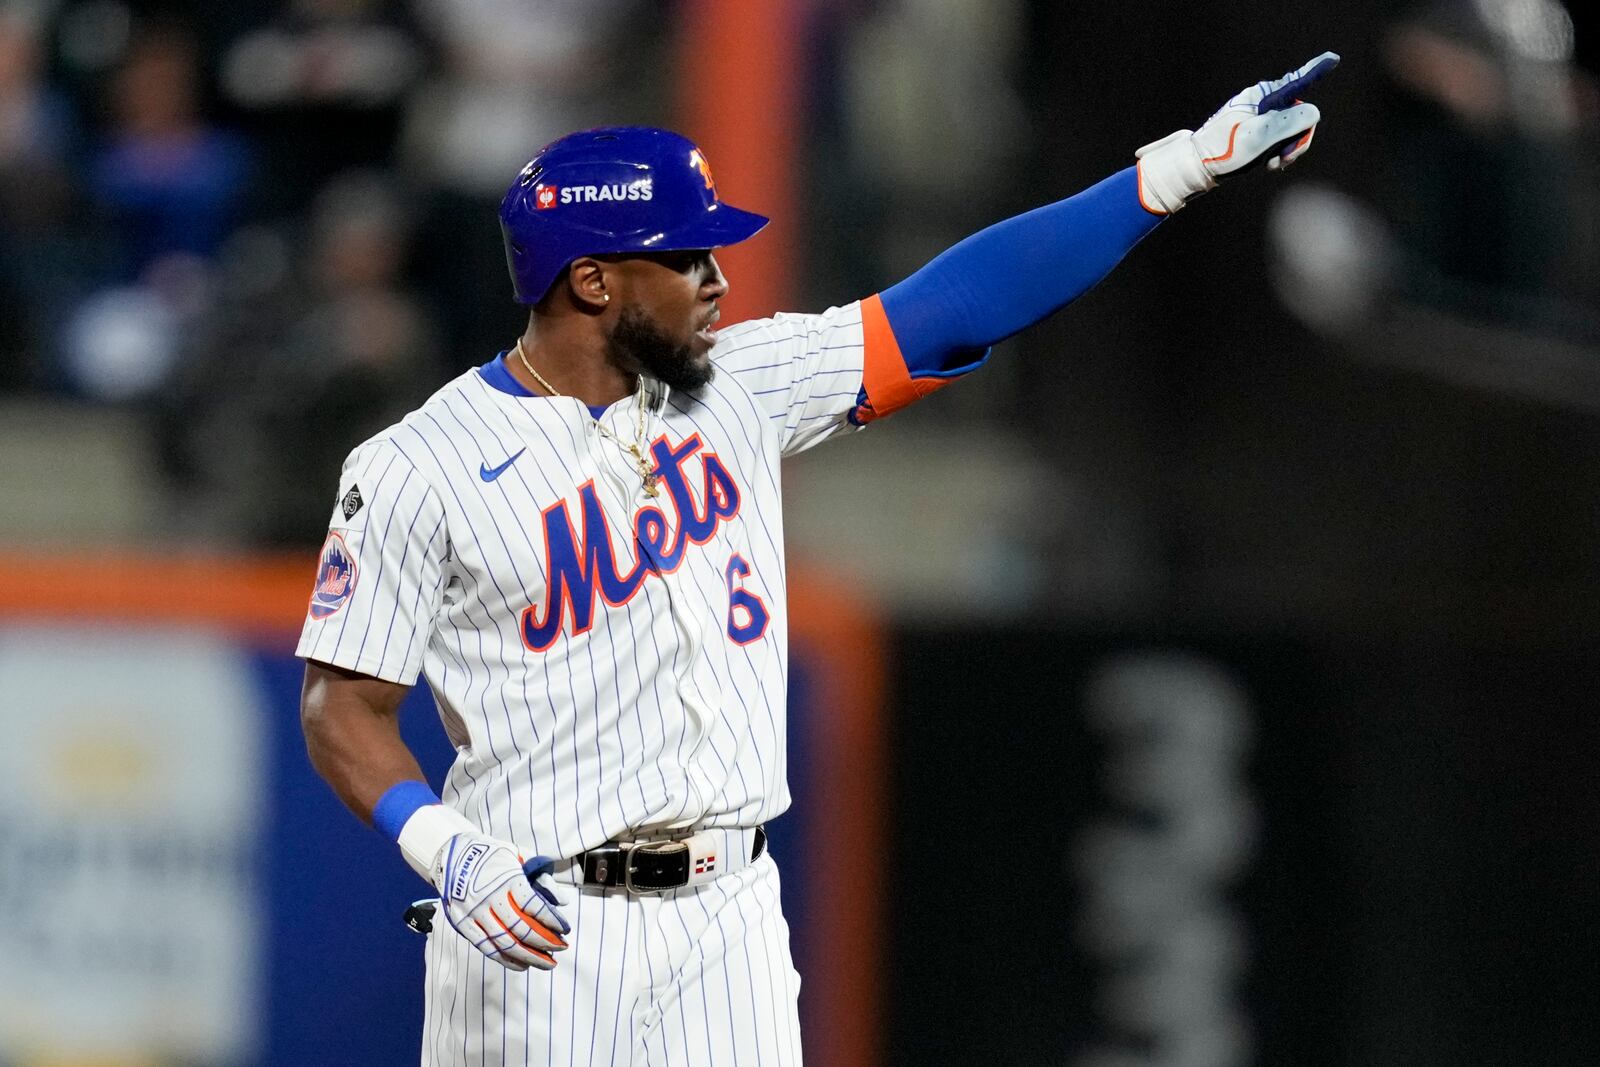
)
(651, 866)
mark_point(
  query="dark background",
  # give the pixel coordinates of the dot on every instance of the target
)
(1419, 892)
(1398, 567)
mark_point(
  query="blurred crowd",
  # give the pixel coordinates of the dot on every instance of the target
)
(264, 227)
(1495, 181)
(1485, 200)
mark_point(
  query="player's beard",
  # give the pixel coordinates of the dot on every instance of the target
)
(636, 344)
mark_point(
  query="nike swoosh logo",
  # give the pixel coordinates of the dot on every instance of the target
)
(489, 474)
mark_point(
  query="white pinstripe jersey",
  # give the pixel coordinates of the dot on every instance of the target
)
(604, 661)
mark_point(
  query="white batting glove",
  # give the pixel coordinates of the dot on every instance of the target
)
(1265, 123)
(506, 908)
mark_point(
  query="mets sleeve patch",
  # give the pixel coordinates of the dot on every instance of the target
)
(336, 578)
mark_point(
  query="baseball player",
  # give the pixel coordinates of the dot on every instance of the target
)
(579, 545)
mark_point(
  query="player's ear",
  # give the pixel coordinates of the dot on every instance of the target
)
(589, 283)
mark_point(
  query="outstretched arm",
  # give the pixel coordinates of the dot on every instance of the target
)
(1006, 278)
(1009, 276)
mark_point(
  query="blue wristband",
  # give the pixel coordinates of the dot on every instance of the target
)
(398, 803)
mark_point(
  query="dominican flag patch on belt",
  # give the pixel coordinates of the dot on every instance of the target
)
(705, 865)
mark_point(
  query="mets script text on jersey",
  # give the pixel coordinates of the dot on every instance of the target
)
(581, 567)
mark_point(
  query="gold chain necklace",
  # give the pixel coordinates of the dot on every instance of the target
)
(634, 449)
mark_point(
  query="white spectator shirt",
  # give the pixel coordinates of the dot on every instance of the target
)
(604, 661)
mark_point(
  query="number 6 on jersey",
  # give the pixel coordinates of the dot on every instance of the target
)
(743, 602)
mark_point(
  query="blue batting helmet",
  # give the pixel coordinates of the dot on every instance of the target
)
(614, 189)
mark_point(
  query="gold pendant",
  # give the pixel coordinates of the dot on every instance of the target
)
(652, 484)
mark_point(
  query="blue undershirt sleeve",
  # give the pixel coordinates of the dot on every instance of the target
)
(1009, 276)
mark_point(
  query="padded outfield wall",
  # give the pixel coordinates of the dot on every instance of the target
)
(184, 889)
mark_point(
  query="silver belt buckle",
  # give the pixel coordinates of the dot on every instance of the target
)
(628, 866)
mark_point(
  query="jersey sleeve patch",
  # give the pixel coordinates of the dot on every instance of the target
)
(336, 578)
(351, 505)
(351, 502)
(886, 381)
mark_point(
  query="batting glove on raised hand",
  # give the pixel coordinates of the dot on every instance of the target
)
(505, 907)
(1266, 123)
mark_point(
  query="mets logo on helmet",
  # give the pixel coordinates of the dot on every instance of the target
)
(336, 578)
(697, 160)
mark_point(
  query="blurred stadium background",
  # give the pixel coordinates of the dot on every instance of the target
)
(1211, 681)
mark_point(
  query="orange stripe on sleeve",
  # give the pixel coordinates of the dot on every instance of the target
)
(884, 374)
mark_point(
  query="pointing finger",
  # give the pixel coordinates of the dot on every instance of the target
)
(1282, 92)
